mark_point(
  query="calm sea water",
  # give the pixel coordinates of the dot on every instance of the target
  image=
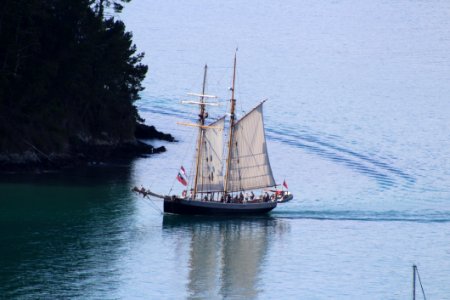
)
(357, 123)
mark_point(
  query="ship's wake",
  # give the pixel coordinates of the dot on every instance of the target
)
(425, 216)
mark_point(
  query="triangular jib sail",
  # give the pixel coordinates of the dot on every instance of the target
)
(249, 166)
(210, 177)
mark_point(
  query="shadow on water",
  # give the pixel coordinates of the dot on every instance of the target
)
(61, 232)
(226, 255)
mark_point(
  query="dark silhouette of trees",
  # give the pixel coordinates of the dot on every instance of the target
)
(100, 5)
(68, 75)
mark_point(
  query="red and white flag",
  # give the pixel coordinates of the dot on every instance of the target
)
(183, 171)
(181, 179)
(285, 184)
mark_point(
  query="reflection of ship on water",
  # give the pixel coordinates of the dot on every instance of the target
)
(225, 255)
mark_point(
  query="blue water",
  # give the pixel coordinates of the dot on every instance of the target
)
(357, 123)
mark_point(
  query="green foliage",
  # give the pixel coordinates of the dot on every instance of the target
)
(66, 73)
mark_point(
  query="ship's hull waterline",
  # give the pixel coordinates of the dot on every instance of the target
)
(187, 207)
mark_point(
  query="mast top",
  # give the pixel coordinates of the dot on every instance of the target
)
(234, 78)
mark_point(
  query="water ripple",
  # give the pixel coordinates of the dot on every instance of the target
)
(375, 216)
(384, 173)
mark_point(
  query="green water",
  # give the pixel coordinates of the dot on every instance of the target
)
(83, 234)
(56, 227)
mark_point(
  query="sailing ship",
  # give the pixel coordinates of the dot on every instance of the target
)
(246, 163)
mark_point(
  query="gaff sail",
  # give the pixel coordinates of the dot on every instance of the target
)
(249, 166)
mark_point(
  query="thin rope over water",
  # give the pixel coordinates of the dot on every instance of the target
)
(416, 271)
(153, 205)
(421, 286)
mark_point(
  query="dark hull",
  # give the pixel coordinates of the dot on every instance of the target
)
(186, 207)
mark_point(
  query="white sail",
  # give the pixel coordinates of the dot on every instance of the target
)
(249, 167)
(210, 177)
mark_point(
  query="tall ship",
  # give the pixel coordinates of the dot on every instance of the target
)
(232, 174)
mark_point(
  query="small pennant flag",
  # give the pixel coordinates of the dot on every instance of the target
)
(181, 179)
(183, 171)
(285, 184)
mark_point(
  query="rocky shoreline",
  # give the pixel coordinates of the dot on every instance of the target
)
(86, 152)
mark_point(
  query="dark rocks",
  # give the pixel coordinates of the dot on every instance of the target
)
(86, 151)
(145, 132)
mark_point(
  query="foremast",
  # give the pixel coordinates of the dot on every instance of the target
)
(200, 132)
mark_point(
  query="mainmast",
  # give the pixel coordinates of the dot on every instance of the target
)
(200, 132)
(232, 117)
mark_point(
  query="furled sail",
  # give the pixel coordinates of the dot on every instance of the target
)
(249, 166)
(210, 177)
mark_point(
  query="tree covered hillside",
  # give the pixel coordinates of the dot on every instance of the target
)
(68, 76)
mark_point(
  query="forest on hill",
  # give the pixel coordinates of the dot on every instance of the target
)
(69, 75)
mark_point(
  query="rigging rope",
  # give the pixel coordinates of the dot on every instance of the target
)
(420, 281)
(154, 206)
